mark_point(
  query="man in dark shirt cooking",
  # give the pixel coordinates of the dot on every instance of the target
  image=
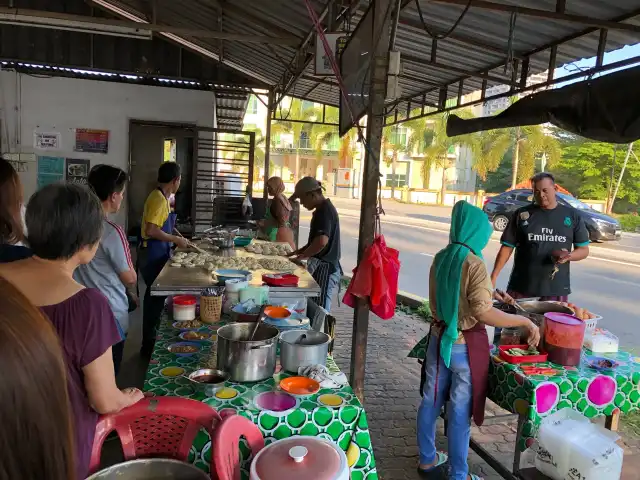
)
(323, 248)
(546, 237)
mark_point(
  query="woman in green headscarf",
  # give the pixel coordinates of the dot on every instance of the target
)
(457, 359)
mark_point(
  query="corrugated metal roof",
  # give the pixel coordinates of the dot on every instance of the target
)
(479, 43)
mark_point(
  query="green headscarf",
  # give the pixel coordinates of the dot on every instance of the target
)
(470, 233)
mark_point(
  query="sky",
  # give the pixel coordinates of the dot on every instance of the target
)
(611, 57)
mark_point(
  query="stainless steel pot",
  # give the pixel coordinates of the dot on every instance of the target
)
(301, 348)
(151, 469)
(247, 361)
(215, 380)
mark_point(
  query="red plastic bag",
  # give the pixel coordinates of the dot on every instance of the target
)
(376, 277)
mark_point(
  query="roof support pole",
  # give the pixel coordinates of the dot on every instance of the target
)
(267, 142)
(370, 178)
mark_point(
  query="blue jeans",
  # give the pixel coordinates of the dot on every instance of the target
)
(328, 277)
(453, 383)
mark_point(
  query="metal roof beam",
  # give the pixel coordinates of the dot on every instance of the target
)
(542, 48)
(462, 71)
(6, 15)
(535, 12)
(461, 38)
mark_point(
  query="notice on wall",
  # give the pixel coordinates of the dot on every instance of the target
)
(77, 170)
(92, 141)
(46, 141)
(50, 170)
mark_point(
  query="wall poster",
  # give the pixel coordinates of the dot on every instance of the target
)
(50, 170)
(46, 141)
(77, 170)
(93, 141)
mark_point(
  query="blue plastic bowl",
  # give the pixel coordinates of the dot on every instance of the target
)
(242, 241)
(196, 345)
(224, 275)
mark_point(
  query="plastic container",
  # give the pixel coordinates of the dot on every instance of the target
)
(184, 308)
(573, 447)
(520, 359)
(260, 295)
(563, 338)
(510, 336)
(601, 341)
(234, 286)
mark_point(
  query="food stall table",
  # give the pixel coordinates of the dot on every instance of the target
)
(191, 281)
(333, 414)
(534, 394)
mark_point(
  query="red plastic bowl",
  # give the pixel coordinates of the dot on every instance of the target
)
(520, 359)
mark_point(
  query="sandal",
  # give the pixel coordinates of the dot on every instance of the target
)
(441, 459)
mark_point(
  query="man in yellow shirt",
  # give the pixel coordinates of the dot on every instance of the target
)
(157, 236)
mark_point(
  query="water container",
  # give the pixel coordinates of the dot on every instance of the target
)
(558, 434)
(563, 338)
(571, 447)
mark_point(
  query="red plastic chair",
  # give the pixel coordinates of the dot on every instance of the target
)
(226, 454)
(162, 427)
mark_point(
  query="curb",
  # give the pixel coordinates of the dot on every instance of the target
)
(405, 298)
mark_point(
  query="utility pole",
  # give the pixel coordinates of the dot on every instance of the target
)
(382, 13)
(624, 167)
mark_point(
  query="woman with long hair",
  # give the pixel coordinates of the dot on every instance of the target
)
(36, 439)
(11, 228)
(457, 360)
(65, 226)
(275, 227)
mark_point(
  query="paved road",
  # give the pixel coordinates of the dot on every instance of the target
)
(608, 283)
(433, 213)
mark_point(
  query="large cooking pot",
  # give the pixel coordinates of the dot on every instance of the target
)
(300, 457)
(247, 361)
(302, 348)
(151, 469)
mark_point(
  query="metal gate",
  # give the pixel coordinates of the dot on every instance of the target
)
(222, 176)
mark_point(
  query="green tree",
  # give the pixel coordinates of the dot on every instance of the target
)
(348, 148)
(442, 145)
(421, 135)
(587, 169)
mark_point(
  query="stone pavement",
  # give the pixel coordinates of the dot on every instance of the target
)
(392, 398)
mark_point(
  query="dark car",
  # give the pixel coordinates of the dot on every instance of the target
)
(500, 208)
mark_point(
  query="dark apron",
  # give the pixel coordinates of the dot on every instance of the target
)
(156, 253)
(479, 358)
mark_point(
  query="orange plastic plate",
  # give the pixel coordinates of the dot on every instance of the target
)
(299, 386)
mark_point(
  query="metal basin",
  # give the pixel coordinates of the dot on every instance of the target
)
(151, 469)
(247, 361)
(208, 381)
(302, 348)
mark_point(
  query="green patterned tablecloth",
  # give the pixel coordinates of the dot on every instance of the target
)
(335, 415)
(590, 392)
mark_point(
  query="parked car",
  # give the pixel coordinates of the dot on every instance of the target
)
(499, 209)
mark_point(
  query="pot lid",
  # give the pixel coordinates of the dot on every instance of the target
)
(563, 318)
(299, 458)
(184, 300)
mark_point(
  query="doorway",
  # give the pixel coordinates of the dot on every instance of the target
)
(151, 144)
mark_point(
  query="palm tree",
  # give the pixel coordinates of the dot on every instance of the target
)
(420, 139)
(442, 145)
(392, 147)
(348, 148)
(322, 134)
(298, 115)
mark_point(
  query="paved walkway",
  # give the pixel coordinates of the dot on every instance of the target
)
(392, 399)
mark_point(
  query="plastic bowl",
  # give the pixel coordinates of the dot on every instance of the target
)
(277, 313)
(174, 346)
(242, 241)
(186, 336)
